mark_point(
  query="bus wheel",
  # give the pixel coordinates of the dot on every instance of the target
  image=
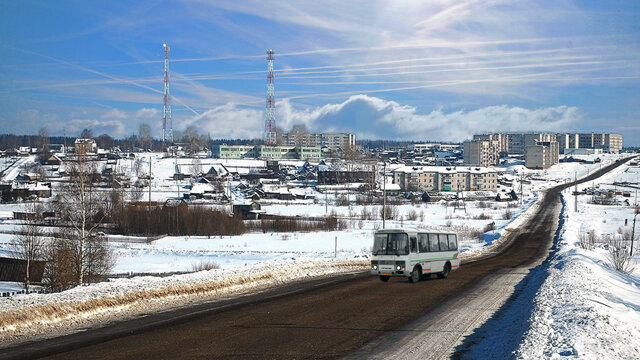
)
(415, 274)
(384, 278)
(445, 273)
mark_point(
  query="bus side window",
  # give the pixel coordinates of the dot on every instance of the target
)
(414, 244)
(423, 241)
(433, 243)
(444, 243)
(453, 246)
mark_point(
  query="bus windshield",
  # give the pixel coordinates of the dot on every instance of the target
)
(391, 244)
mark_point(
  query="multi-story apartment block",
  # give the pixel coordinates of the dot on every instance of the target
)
(567, 141)
(440, 178)
(542, 155)
(331, 141)
(481, 152)
(502, 139)
(517, 143)
(266, 152)
(613, 143)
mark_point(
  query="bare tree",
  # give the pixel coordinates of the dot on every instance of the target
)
(86, 134)
(191, 139)
(29, 243)
(43, 142)
(137, 165)
(144, 135)
(619, 255)
(196, 167)
(587, 240)
(299, 132)
(83, 209)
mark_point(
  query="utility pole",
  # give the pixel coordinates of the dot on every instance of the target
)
(633, 232)
(384, 194)
(521, 178)
(149, 207)
(575, 192)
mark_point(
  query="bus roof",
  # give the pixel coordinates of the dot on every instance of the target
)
(414, 230)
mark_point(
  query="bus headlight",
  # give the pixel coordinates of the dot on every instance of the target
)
(398, 267)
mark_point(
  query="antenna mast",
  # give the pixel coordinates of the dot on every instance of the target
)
(270, 114)
(167, 134)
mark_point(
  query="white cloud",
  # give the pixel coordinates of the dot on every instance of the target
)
(148, 113)
(372, 117)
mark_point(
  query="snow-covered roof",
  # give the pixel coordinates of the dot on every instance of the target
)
(199, 188)
(445, 169)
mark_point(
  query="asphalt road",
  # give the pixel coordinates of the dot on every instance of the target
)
(323, 319)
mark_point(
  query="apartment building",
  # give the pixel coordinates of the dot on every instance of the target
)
(440, 178)
(517, 143)
(542, 155)
(567, 141)
(502, 139)
(331, 141)
(608, 142)
(481, 152)
(266, 152)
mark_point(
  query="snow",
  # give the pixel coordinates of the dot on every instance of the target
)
(564, 320)
(574, 305)
(585, 308)
(35, 316)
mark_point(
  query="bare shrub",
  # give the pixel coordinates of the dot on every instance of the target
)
(421, 215)
(204, 265)
(507, 214)
(360, 224)
(342, 201)
(619, 252)
(60, 272)
(587, 240)
(482, 205)
(28, 245)
(278, 224)
(412, 215)
(448, 223)
(177, 220)
(389, 212)
(512, 205)
(482, 216)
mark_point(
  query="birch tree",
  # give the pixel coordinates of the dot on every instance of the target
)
(83, 209)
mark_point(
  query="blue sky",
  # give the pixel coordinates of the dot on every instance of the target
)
(419, 70)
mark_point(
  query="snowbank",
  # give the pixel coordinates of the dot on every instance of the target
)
(26, 316)
(585, 309)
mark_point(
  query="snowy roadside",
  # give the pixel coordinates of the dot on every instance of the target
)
(37, 316)
(585, 308)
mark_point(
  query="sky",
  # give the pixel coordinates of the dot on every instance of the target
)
(407, 70)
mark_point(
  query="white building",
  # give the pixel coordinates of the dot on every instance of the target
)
(449, 178)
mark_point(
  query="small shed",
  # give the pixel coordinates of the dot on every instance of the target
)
(426, 197)
(247, 211)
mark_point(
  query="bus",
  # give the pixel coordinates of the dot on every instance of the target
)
(415, 254)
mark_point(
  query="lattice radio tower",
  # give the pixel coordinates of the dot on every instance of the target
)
(167, 134)
(270, 114)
